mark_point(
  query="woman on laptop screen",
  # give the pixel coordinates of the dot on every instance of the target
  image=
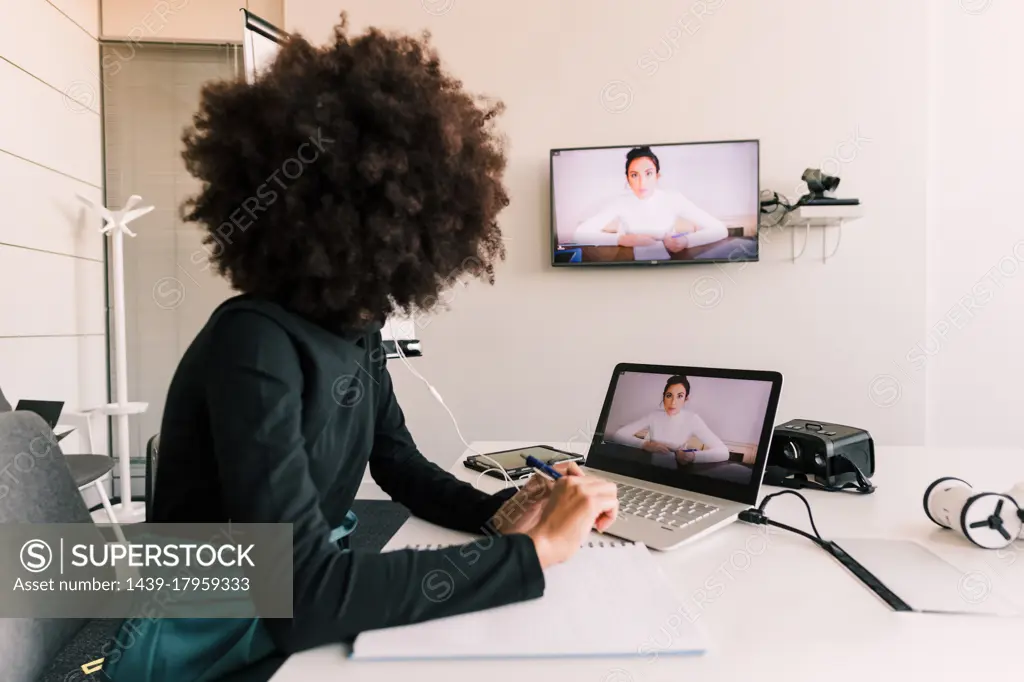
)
(665, 432)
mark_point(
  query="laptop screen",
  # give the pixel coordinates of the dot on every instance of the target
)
(695, 429)
(49, 410)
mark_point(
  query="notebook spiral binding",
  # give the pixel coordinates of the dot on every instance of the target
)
(607, 543)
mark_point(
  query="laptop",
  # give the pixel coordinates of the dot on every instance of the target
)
(686, 447)
(49, 410)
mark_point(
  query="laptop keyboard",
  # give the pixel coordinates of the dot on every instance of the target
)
(668, 510)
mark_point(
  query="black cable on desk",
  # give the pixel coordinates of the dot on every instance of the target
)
(803, 499)
(758, 517)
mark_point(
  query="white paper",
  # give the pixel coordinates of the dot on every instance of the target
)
(605, 601)
(926, 581)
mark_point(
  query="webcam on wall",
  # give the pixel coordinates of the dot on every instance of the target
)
(821, 190)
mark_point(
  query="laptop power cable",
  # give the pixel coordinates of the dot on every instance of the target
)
(757, 516)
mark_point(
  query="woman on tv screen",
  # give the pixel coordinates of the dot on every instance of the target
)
(650, 214)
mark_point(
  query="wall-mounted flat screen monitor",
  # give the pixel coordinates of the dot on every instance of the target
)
(655, 204)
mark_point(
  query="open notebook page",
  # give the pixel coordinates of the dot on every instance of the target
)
(608, 600)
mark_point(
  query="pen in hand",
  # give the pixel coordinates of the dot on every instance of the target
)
(548, 470)
(544, 467)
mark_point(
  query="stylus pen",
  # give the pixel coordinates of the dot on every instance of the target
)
(546, 468)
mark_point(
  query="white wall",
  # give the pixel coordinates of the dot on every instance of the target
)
(834, 84)
(971, 352)
(52, 309)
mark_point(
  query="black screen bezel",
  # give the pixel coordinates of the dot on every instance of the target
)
(644, 263)
(621, 459)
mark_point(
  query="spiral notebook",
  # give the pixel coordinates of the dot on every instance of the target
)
(609, 600)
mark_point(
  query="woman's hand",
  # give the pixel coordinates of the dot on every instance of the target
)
(677, 244)
(576, 505)
(635, 240)
(655, 446)
(521, 512)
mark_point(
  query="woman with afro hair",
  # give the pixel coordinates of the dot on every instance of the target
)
(348, 183)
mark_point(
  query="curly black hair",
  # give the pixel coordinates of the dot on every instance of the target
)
(349, 181)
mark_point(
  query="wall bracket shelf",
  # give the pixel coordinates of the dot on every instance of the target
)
(823, 217)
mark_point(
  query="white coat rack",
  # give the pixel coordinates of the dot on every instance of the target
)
(116, 227)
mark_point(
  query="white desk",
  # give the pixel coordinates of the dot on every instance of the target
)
(775, 606)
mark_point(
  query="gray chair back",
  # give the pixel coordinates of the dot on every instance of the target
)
(4, 405)
(37, 488)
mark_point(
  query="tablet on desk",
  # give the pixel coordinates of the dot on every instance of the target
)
(513, 462)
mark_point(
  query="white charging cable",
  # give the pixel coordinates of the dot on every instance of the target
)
(437, 396)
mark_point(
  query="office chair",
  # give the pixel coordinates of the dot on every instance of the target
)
(91, 470)
(152, 453)
(44, 648)
(86, 470)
